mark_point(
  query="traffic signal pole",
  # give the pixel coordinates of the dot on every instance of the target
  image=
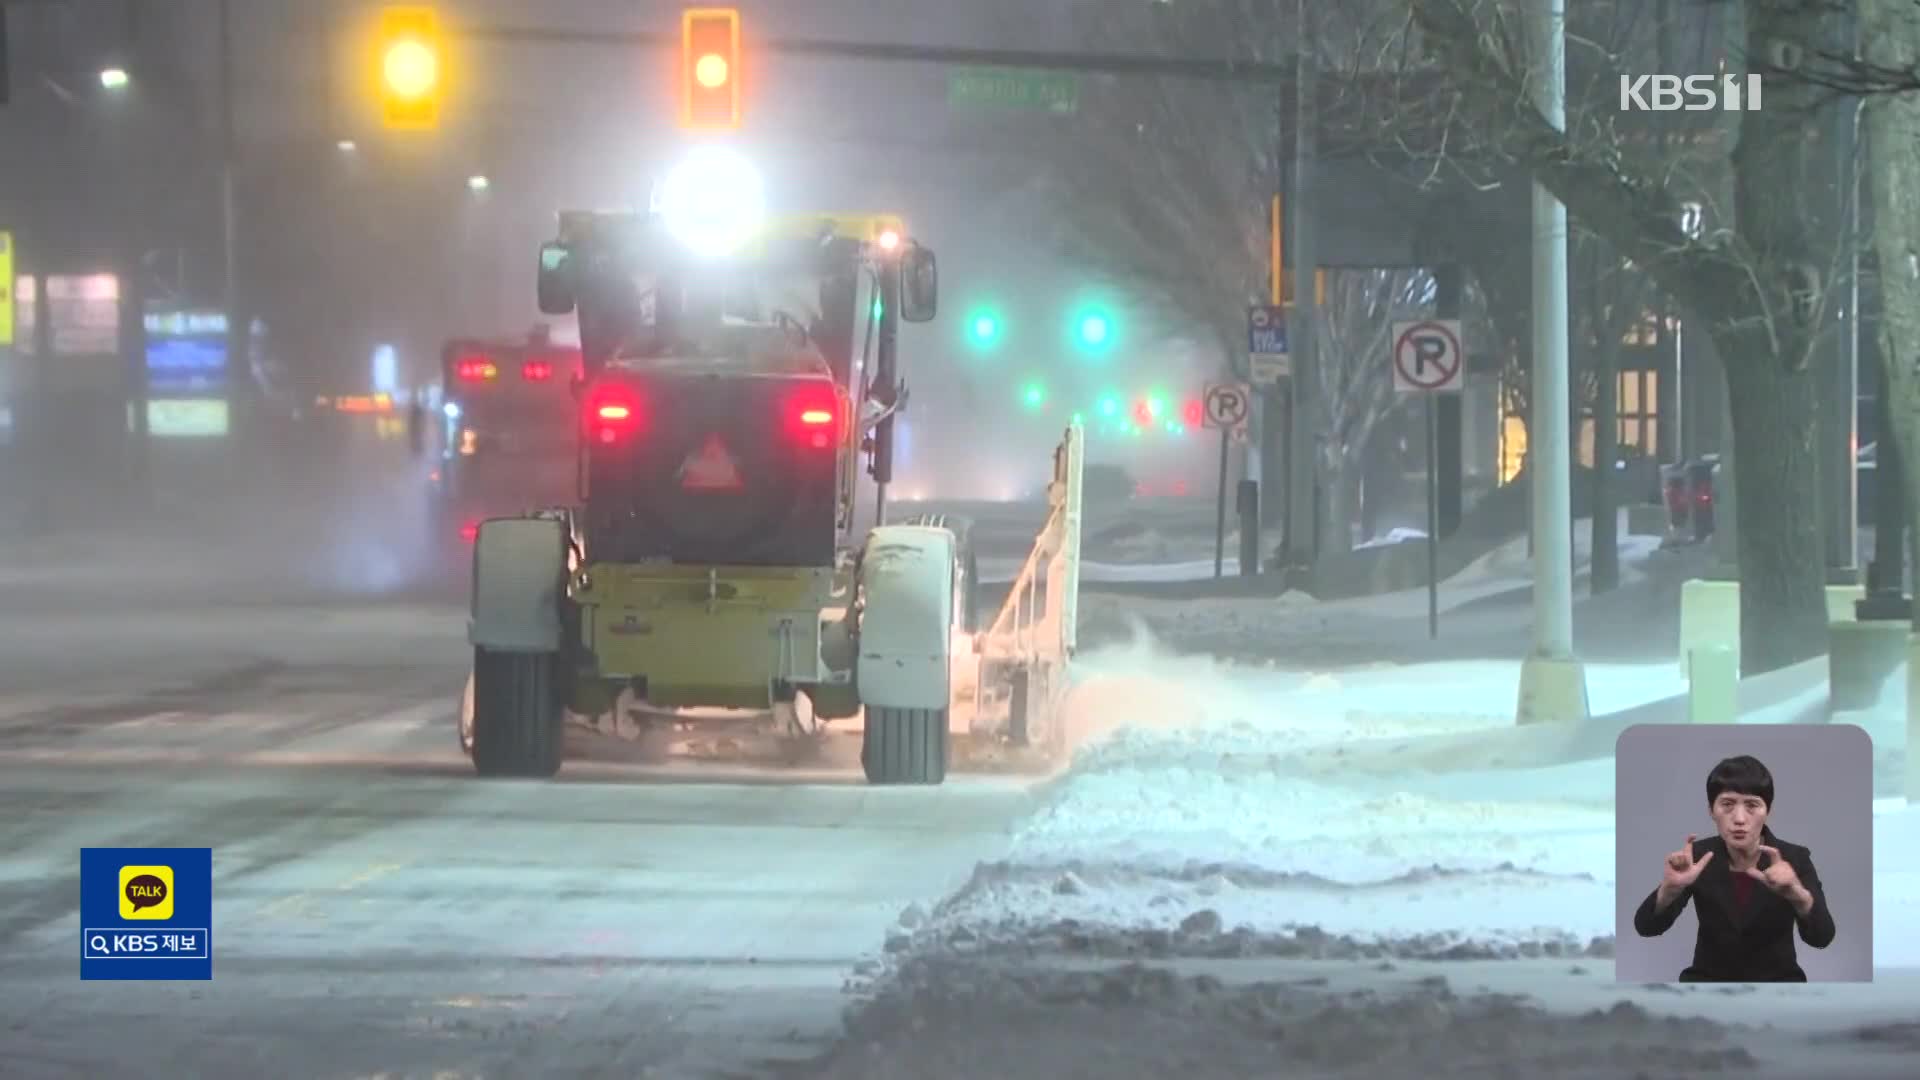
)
(239, 340)
(1203, 70)
(1301, 539)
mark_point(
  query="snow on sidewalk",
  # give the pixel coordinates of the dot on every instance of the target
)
(1191, 824)
(1187, 900)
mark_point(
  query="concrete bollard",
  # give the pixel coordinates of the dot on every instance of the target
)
(1713, 686)
(1710, 614)
(1710, 618)
(1913, 719)
(1860, 656)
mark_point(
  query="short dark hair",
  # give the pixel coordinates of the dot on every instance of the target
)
(1743, 775)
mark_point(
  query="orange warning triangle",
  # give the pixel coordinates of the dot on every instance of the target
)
(711, 468)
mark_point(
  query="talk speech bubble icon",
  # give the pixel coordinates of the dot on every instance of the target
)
(146, 892)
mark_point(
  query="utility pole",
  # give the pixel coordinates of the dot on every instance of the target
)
(239, 340)
(1302, 336)
(1553, 685)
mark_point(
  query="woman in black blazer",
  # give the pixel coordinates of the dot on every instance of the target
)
(1750, 889)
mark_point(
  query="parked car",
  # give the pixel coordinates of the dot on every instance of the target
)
(1689, 491)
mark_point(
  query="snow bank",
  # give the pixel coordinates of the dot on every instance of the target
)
(1213, 889)
(1268, 803)
(1018, 1015)
(950, 1019)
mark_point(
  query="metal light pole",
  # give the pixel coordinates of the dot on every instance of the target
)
(1553, 685)
(239, 341)
(1301, 538)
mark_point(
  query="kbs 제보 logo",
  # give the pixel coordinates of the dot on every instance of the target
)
(146, 914)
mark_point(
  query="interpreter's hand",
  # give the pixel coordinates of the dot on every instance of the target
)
(1682, 869)
(1778, 876)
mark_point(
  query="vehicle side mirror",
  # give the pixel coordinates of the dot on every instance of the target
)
(555, 284)
(919, 285)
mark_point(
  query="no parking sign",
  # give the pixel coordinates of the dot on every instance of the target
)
(1427, 357)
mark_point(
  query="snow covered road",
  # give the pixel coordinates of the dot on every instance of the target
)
(377, 910)
(1337, 865)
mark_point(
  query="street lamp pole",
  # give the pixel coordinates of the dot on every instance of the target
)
(238, 339)
(1553, 685)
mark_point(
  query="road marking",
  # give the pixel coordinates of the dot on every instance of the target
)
(296, 905)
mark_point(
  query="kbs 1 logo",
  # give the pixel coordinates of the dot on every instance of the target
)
(1691, 93)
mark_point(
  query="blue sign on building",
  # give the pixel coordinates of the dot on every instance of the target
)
(1266, 330)
(189, 366)
(186, 353)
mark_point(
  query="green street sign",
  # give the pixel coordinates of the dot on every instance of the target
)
(1013, 88)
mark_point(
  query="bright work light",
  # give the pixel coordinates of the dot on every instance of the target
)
(713, 202)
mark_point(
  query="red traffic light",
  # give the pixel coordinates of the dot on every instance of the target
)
(710, 69)
(1193, 414)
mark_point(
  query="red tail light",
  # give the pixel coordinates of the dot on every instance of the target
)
(813, 416)
(476, 369)
(536, 371)
(613, 414)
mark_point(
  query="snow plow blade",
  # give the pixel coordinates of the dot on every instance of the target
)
(1025, 653)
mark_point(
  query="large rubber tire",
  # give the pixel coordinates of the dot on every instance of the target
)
(519, 723)
(967, 608)
(905, 746)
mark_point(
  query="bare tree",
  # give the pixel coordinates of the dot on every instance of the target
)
(1758, 284)
(1164, 186)
(1611, 302)
(1354, 391)
(1167, 186)
(1891, 73)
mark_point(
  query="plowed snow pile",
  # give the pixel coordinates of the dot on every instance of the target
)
(1209, 891)
(1187, 797)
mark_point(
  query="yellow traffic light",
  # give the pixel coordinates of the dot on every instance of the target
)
(411, 70)
(710, 69)
(412, 67)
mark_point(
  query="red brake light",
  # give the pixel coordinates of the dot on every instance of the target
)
(536, 371)
(813, 416)
(612, 414)
(476, 369)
